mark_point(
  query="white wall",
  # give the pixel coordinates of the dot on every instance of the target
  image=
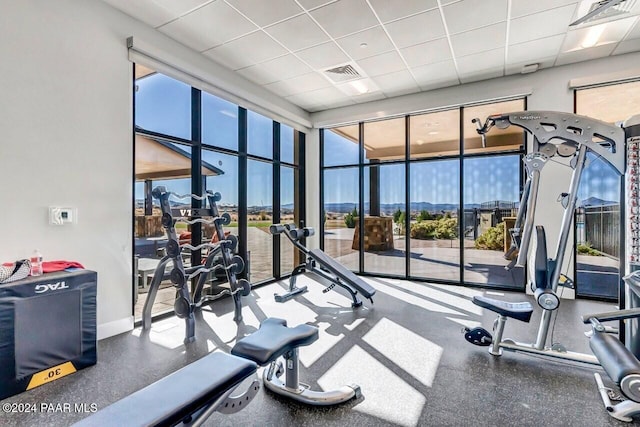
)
(547, 89)
(66, 121)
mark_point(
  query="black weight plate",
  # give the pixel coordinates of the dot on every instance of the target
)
(177, 277)
(173, 248)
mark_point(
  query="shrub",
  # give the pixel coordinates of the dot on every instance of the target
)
(492, 239)
(446, 228)
(587, 249)
(350, 218)
(423, 230)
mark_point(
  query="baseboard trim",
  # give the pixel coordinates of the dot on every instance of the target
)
(115, 327)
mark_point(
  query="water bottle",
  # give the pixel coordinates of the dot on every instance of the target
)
(36, 263)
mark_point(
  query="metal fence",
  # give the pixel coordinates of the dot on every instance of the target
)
(599, 226)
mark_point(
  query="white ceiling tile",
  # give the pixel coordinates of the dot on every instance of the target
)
(298, 33)
(325, 95)
(376, 39)
(368, 97)
(257, 74)
(467, 15)
(539, 25)
(427, 53)
(445, 82)
(531, 51)
(416, 29)
(611, 32)
(516, 68)
(482, 39)
(382, 64)
(527, 7)
(285, 67)
(323, 56)
(627, 46)
(264, 13)
(428, 75)
(157, 12)
(479, 62)
(635, 32)
(388, 10)
(345, 17)
(248, 50)
(585, 54)
(306, 102)
(304, 83)
(312, 4)
(482, 75)
(394, 83)
(209, 26)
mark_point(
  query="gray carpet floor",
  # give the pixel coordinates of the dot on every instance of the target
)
(406, 352)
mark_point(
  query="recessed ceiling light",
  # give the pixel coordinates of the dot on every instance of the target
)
(360, 86)
(434, 132)
(363, 45)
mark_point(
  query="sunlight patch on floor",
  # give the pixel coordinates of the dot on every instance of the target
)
(386, 395)
(416, 355)
(414, 300)
(168, 333)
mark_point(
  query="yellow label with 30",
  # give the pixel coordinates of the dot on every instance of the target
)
(51, 374)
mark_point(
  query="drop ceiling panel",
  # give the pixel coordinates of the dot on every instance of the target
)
(464, 16)
(298, 33)
(611, 32)
(528, 7)
(389, 10)
(264, 13)
(635, 31)
(376, 41)
(382, 64)
(285, 67)
(323, 56)
(535, 49)
(477, 76)
(539, 25)
(157, 12)
(304, 83)
(480, 40)
(427, 53)
(438, 72)
(585, 54)
(345, 17)
(209, 26)
(312, 4)
(416, 29)
(516, 68)
(258, 75)
(247, 50)
(393, 84)
(627, 46)
(478, 62)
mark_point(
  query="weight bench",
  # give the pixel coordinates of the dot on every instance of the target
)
(193, 393)
(619, 364)
(325, 269)
(189, 395)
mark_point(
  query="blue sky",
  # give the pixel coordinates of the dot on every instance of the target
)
(164, 105)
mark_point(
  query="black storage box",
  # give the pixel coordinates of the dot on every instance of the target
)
(47, 329)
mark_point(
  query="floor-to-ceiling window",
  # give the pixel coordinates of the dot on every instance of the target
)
(426, 182)
(188, 140)
(598, 216)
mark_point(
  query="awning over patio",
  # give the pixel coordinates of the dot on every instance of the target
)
(159, 159)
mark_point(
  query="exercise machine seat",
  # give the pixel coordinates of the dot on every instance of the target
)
(176, 396)
(274, 339)
(517, 310)
(616, 359)
(343, 273)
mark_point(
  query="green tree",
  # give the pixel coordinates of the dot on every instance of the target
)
(350, 218)
(424, 216)
(396, 216)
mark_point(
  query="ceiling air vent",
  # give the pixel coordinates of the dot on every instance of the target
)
(606, 10)
(342, 73)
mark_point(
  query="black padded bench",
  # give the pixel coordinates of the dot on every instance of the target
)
(343, 273)
(275, 339)
(203, 386)
(517, 310)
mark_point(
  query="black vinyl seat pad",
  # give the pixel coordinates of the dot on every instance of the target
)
(177, 395)
(517, 310)
(343, 273)
(614, 357)
(273, 339)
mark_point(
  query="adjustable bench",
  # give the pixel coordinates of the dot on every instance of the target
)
(191, 394)
(275, 339)
(325, 269)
